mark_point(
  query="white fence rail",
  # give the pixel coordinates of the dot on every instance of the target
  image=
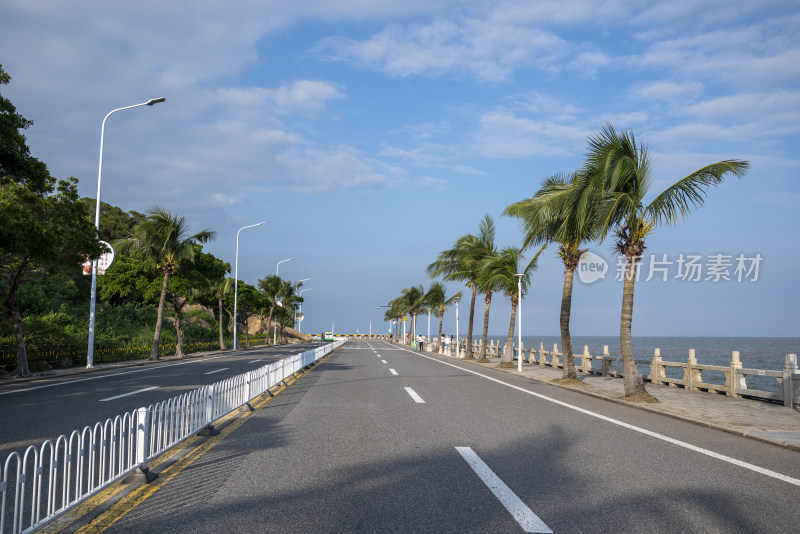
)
(46, 481)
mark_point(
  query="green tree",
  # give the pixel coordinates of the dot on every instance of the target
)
(163, 240)
(621, 168)
(499, 272)
(413, 300)
(461, 263)
(271, 286)
(43, 228)
(563, 211)
(191, 284)
(249, 302)
(436, 298)
(221, 288)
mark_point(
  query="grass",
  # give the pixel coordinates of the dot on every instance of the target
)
(506, 365)
(641, 397)
(569, 381)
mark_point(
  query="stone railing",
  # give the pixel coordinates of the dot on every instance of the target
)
(687, 375)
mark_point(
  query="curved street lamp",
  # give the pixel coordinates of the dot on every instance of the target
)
(236, 287)
(300, 323)
(93, 298)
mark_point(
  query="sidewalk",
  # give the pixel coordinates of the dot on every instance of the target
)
(764, 421)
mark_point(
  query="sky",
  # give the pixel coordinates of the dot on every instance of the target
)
(371, 134)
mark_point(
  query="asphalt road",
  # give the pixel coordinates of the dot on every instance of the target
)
(380, 439)
(32, 412)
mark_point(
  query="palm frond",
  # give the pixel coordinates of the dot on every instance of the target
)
(675, 203)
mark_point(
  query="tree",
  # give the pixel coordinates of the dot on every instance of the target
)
(563, 211)
(413, 300)
(461, 263)
(621, 168)
(163, 240)
(192, 283)
(499, 271)
(271, 286)
(436, 298)
(43, 228)
(249, 302)
(221, 288)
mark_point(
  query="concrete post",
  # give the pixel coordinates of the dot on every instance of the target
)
(556, 360)
(734, 381)
(789, 370)
(605, 364)
(657, 372)
(542, 355)
(692, 376)
(587, 360)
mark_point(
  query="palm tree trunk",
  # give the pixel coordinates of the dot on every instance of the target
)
(269, 324)
(566, 339)
(634, 384)
(508, 353)
(484, 338)
(159, 317)
(468, 353)
(441, 319)
(221, 338)
(179, 328)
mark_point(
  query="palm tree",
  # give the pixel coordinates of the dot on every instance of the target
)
(221, 288)
(395, 312)
(621, 168)
(564, 211)
(163, 239)
(461, 264)
(487, 286)
(413, 299)
(499, 272)
(438, 301)
(271, 286)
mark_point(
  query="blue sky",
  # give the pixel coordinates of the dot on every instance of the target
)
(370, 135)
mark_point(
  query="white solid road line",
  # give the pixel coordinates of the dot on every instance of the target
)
(217, 371)
(393, 372)
(255, 361)
(679, 443)
(150, 369)
(529, 521)
(129, 394)
(414, 396)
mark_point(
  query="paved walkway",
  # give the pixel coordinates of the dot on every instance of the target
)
(755, 419)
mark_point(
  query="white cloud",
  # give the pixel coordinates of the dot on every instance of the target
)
(480, 48)
(666, 90)
(322, 170)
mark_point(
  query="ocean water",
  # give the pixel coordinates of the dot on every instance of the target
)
(754, 352)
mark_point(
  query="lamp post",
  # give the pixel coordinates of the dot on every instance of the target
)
(296, 285)
(93, 298)
(300, 329)
(458, 354)
(275, 324)
(519, 321)
(236, 287)
(279, 264)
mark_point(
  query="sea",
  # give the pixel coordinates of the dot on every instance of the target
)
(754, 352)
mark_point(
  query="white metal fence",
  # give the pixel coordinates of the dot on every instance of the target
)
(46, 481)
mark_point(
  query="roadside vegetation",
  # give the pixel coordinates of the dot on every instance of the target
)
(161, 277)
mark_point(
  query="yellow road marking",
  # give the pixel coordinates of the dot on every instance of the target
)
(139, 495)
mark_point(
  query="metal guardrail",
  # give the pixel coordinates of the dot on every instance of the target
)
(46, 481)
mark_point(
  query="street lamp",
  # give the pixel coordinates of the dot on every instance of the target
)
(519, 321)
(300, 325)
(93, 298)
(458, 354)
(236, 287)
(279, 264)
